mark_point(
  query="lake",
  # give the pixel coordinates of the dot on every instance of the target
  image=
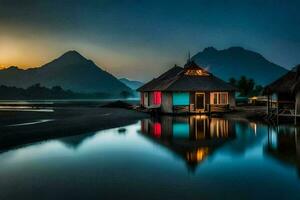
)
(161, 158)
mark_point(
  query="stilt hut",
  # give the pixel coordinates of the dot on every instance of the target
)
(191, 89)
(284, 95)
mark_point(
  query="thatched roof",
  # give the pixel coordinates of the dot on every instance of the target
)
(190, 78)
(288, 83)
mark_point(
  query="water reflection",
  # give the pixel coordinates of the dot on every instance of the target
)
(74, 142)
(284, 145)
(232, 156)
(192, 138)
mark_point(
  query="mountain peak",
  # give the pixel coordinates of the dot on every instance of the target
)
(236, 62)
(236, 51)
(69, 58)
(71, 71)
(236, 48)
(209, 49)
(72, 54)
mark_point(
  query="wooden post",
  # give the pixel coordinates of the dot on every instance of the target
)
(277, 111)
(268, 102)
(268, 135)
(296, 111)
(296, 141)
(271, 103)
(297, 101)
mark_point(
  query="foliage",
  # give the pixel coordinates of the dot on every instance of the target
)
(39, 92)
(246, 86)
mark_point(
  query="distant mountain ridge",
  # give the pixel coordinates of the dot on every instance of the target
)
(131, 83)
(236, 62)
(71, 71)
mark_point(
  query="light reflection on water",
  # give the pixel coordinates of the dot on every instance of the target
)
(165, 158)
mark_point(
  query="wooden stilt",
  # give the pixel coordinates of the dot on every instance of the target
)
(268, 135)
(277, 111)
(296, 112)
(268, 102)
(295, 132)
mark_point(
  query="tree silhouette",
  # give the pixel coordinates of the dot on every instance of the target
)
(246, 87)
(37, 91)
(232, 81)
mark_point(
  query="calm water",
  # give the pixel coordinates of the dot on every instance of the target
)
(167, 158)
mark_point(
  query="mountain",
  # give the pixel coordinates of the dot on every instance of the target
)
(236, 62)
(131, 83)
(70, 71)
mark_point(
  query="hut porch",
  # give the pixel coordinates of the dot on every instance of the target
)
(283, 105)
(201, 102)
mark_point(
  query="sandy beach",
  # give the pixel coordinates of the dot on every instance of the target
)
(22, 127)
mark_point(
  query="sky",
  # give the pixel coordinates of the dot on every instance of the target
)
(140, 39)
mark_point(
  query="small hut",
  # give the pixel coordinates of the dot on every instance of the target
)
(284, 95)
(191, 89)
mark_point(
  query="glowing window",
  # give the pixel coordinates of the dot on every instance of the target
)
(156, 98)
(219, 98)
(195, 72)
(181, 99)
(223, 98)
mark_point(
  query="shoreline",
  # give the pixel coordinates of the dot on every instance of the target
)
(18, 128)
(249, 113)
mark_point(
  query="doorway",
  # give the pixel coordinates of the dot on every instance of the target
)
(200, 101)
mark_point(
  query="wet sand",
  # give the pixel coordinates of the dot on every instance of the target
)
(22, 127)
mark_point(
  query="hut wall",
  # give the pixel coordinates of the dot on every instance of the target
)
(141, 98)
(285, 97)
(231, 99)
(207, 100)
(192, 101)
(298, 102)
(166, 105)
(150, 96)
(152, 99)
(146, 99)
